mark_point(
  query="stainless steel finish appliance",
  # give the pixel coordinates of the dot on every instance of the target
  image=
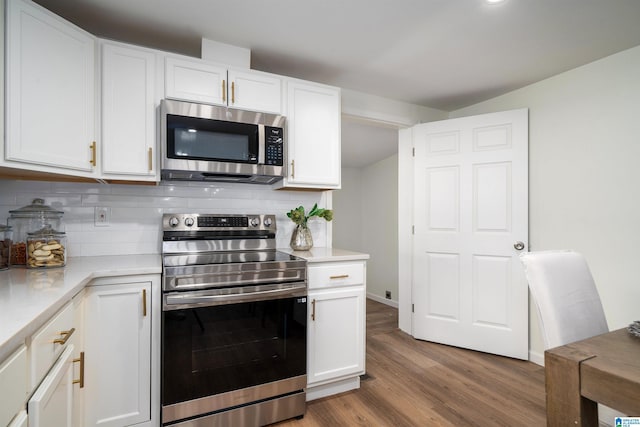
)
(234, 313)
(212, 143)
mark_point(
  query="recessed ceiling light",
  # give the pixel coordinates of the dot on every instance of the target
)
(494, 1)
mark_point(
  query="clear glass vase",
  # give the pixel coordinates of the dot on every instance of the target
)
(301, 239)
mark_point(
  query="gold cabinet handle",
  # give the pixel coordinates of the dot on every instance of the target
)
(65, 336)
(93, 154)
(341, 276)
(81, 360)
(313, 309)
(224, 91)
(293, 169)
(233, 92)
(144, 302)
(150, 159)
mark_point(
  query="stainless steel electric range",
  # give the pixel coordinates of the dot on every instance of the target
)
(234, 314)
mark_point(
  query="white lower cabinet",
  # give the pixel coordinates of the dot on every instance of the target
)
(122, 352)
(52, 403)
(336, 327)
(52, 352)
(13, 385)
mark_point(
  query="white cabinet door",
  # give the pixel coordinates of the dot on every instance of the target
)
(196, 81)
(13, 385)
(128, 112)
(118, 354)
(50, 98)
(313, 136)
(336, 340)
(251, 90)
(208, 83)
(52, 403)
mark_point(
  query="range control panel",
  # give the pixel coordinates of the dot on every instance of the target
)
(215, 222)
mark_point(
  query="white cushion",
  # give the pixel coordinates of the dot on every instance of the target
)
(568, 303)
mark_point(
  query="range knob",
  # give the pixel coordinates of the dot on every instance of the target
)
(173, 221)
(267, 222)
(254, 222)
(188, 221)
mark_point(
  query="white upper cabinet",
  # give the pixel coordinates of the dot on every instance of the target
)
(50, 90)
(313, 136)
(194, 80)
(129, 103)
(253, 90)
(209, 83)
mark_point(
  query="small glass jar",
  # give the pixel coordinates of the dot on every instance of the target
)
(46, 248)
(30, 218)
(5, 246)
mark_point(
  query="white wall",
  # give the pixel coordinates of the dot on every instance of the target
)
(366, 216)
(136, 210)
(584, 174)
(347, 210)
(379, 222)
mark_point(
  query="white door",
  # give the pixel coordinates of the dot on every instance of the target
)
(470, 210)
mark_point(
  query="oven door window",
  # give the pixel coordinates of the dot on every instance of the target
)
(190, 138)
(213, 350)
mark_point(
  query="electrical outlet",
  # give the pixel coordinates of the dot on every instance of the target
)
(102, 216)
(387, 294)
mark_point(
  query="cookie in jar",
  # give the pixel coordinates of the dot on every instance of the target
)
(46, 248)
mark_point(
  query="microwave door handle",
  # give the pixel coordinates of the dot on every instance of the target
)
(261, 144)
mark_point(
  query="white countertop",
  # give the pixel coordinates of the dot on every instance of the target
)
(327, 254)
(28, 298)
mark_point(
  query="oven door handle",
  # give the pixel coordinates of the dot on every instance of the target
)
(181, 300)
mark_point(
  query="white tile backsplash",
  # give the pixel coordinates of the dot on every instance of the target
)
(136, 210)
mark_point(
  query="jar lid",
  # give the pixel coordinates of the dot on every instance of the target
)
(37, 207)
(47, 230)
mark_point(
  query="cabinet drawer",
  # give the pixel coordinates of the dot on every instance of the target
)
(49, 342)
(13, 385)
(332, 274)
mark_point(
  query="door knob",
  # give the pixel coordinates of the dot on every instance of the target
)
(518, 245)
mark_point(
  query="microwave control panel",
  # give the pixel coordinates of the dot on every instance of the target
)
(273, 146)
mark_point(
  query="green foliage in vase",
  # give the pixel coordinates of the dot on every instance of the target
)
(298, 216)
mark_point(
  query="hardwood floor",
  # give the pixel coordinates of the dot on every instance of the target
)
(418, 383)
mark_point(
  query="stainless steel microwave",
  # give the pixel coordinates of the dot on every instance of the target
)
(212, 143)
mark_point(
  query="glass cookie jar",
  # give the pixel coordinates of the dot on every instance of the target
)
(27, 219)
(5, 246)
(46, 248)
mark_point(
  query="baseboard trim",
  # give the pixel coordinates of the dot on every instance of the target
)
(378, 298)
(535, 357)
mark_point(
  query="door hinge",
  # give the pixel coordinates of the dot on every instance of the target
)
(413, 308)
(413, 151)
(413, 229)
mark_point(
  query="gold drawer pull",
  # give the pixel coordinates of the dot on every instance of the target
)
(341, 276)
(224, 91)
(81, 360)
(150, 159)
(144, 302)
(233, 92)
(93, 154)
(313, 309)
(65, 336)
(293, 169)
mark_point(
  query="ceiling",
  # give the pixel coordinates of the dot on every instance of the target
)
(444, 54)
